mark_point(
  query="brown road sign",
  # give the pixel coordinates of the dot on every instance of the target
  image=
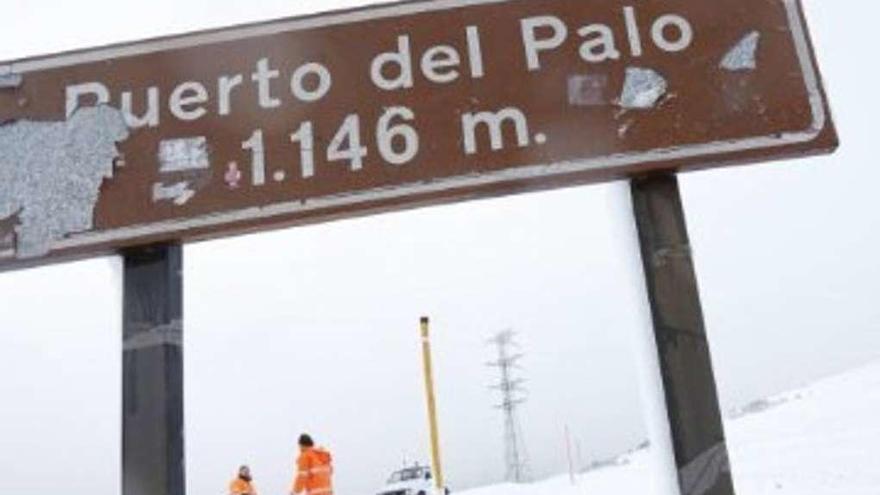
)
(388, 107)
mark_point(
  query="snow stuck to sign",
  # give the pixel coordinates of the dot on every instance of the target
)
(51, 174)
(821, 440)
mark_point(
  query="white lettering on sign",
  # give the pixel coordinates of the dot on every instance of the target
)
(395, 138)
(439, 62)
(150, 116)
(316, 71)
(403, 64)
(684, 32)
(75, 94)
(533, 45)
(386, 134)
(393, 70)
(475, 52)
(188, 100)
(225, 85)
(494, 123)
(263, 77)
(632, 31)
(599, 43)
(398, 61)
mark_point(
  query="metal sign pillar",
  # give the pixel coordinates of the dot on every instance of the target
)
(152, 372)
(689, 385)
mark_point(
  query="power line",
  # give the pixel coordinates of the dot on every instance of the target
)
(512, 396)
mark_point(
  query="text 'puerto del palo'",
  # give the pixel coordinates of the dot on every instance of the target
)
(399, 68)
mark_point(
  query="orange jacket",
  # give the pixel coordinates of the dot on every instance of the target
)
(314, 471)
(239, 486)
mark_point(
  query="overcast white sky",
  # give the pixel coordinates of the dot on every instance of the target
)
(315, 328)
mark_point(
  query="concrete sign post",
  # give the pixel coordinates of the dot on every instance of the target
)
(397, 106)
(310, 119)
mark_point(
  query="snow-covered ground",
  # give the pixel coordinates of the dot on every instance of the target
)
(821, 440)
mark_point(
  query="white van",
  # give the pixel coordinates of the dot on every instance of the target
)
(416, 480)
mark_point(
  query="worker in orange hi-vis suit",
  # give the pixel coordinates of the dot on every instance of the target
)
(242, 485)
(314, 469)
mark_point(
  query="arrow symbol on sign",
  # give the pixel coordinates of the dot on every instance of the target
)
(179, 193)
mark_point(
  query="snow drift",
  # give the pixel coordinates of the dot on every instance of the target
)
(820, 440)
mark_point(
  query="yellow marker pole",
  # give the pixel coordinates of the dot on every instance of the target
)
(432, 407)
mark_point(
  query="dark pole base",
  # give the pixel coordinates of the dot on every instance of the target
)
(152, 372)
(686, 367)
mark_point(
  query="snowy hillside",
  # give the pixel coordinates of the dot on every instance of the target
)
(821, 440)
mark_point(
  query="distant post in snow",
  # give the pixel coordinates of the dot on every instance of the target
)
(571, 474)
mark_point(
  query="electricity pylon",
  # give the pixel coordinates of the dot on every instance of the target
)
(512, 396)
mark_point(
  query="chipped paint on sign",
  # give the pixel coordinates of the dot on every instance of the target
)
(180, 155)
(743, 55)
(180, 193)
(623, 130)
(51, 174)
(588, 90)
(642, 89)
